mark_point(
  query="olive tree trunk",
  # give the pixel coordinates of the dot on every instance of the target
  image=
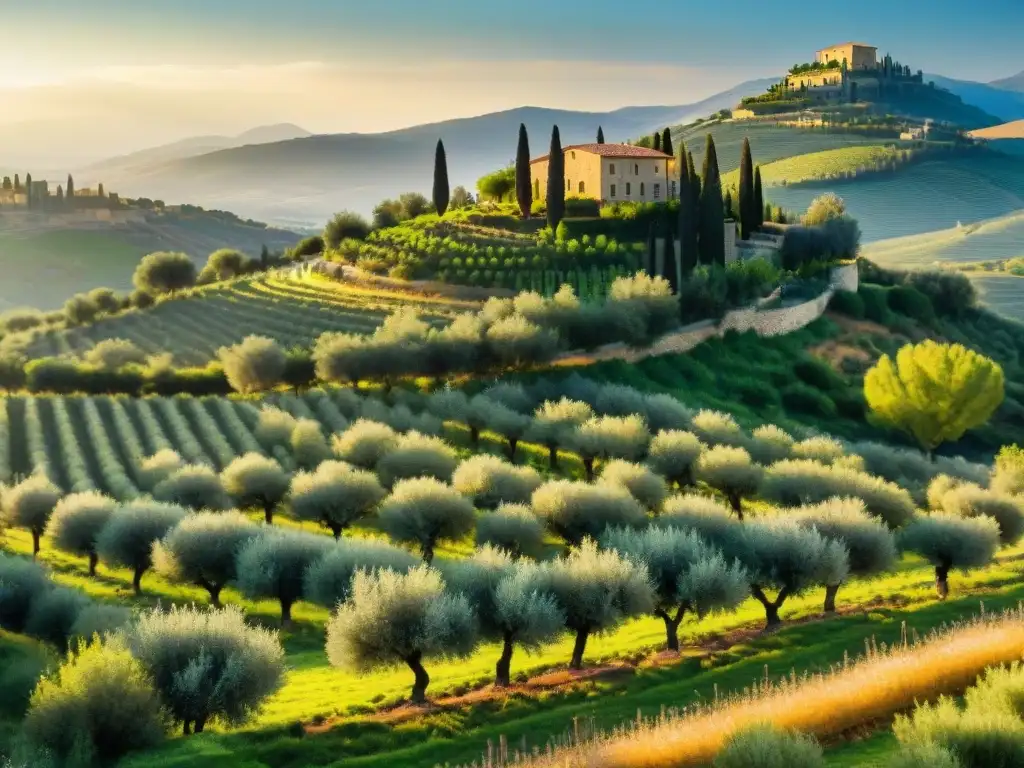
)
(421, 678)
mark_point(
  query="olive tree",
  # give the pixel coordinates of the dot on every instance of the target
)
(76, 523)
(416, 455)
(970, 500)
(128, 537)
(195, 486)
(115, 354)
(328, 580)
(203, 549)
(513, 528)
(951, 541)
(274, 427)
(164, 272)
(336, 495)
(709, 518)
(781, 555)
(512, 602)
(645, 486)
(255, 481)
(503, 421)
(256, 364)
(717, 428)
(597, 590)
(769, 444)
(364, 443)
(730, 471)
(271, 565)
(99, 705)
(53, 615)
(406, 618)
(575, 510)
(672, 454)
(488, 481)
(665, 413)
(101, 619)
(795, 482)
(514, 342)
(619, 400)
(688, 574)
(870, 545)
(208, 665)
(22, 582)
(308, 445)
(424, 511)
(554, 425)
(1008, 475)
(827, 451)
(610, 437)
(154, 469)
(29, 505)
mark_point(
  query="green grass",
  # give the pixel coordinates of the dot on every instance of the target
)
(812, 166)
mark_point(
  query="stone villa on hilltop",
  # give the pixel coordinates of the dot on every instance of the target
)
(611, 173)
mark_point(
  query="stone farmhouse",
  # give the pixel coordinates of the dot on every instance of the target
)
(611, 173)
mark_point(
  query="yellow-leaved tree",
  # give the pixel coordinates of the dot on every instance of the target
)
(934, 392)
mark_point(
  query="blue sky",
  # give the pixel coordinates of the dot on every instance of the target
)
(192, 66)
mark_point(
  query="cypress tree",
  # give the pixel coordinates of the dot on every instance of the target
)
(666, 142)
(28, 188)
(727, 205)
(71, 187)
(442, 194)
(60, 192)
(687, 222)
(712, 215)
(556, 181)
(600, 135)
(758, 198)
(524, 182)
(694, 180)
(17, 183)
(747, 206)
(100, 191)
(657, 141)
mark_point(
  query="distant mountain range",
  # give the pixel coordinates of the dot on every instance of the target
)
(284, 175)
(1014, 83)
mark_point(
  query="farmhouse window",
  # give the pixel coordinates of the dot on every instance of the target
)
(641, 189)
(582, 188)
(613, 190)
(657, 191)
(636, 169)
(611, 168)
(628, 191)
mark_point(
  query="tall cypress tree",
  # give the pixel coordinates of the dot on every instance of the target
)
(600, 135)
(657, 141)
(556, 181)
(687, 222)
(524, 183)
(748, 212)
(442, 194)
(695, 191)
(758, 198)
(17, 183)
(666, 142)
(28, 188)
(70, 192)
(712, 214)
(727, 205)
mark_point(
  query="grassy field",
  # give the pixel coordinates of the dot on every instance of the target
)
(293, 310)
(813, 166)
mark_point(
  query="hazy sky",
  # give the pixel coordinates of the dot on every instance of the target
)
(136, 73)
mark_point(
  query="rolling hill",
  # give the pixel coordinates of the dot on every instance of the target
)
(1002, 102)
(303, 181)
(1012, 83)
(1007, 138)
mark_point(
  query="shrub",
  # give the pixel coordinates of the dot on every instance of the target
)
(950, 541)
(870, 546)
(824, 450)
(912, 303)
(29, 505)
(424, 511)
(804, 399)
(769, 443)
(164, 272)
(950, 293)
(127, 538)
(1009, 470)
(511, 602)
(768, 747)
(783, 556)
(801, 481)
(99, 705)
(730, 471)
(255, 481)
(969, 500)
(596, 591)
(271, 565)
(203, 549)
(53, 615)
(934, 392)
(515, 342)
(911, 469)
(328, 580)
(664, 412)
(608, 437)
(308, 444)
(716, 428)
(336, 495)
(114, 354)
(100, 619)
(76, 523)
(489, 481)
(274, 427)
(688, 575)
(22, 582)
(554, 424)
(345, 226)
(396, 618)
(673, 453)
(223, 264)
(195, 486)
(847, 303)
(575, 510)
(416, 455)
(513, 528)
(256, 364)
(364, 443)
(208, 664)
(643, 485)
(156, 468)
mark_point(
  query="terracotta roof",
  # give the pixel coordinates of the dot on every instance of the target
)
(840, 45)
(612, 150)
